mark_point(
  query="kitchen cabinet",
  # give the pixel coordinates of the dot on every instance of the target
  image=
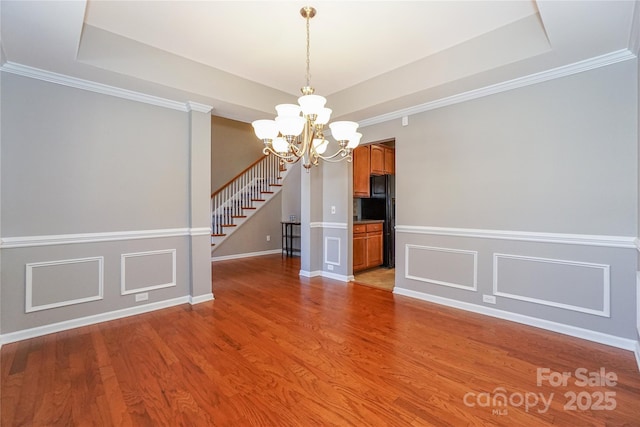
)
(361, 167)
(389, 161)
(382, 160)
(367, 245)
(359, 248)
(371, 160)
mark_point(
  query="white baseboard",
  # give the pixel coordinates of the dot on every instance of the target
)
(334, 276)
(201, 298)
(636, 351)
(599, 337)
(315, 273)
(326, 274)
(246, 255)
(90, 320)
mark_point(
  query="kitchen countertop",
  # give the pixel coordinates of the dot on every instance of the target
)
(368, 221)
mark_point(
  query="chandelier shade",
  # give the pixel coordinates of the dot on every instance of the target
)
(311, 104)
(297, 131)
(354, 141)
(343, 131)
(265, 129)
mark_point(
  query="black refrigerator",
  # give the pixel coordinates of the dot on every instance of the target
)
(382, 205)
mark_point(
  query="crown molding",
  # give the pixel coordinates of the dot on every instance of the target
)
(543, 76)
(77, 83)
(200, 108)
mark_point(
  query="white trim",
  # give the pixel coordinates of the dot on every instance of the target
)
(123, 274)
(634, 36)
(543, 76)
(527, 236)
(306, 273)
(606, 288)
(326, 247)
(246, 255)
(77, 83)
(89, 320)
(334, 276)
(65, 239)
(326, 274)
(29, 307)
(473, 287)
(200, 108)
(201, 298)
(599, 337)
(336, 225)
(638, 302)
(200, 231)
(636, 352)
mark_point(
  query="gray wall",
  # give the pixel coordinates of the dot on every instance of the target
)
(291, 193)
(234, 146)
(100, 198)
(251, 237)
(557, 160)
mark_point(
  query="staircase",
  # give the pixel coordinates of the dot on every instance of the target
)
(243, 196)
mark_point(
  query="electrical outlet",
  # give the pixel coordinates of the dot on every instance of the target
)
(142, 297)
(333, 209)
(490, 299)
(268, 238)
(330, 267)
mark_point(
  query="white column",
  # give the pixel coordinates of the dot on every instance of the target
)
(199, 200)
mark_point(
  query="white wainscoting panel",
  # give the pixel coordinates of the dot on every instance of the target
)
(53, 284)
(570, 285)
(332, 250)
(146, 271)
(638, 302)
(455, 268)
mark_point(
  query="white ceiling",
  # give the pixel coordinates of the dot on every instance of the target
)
(367, 57)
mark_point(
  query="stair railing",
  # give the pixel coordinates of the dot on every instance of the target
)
(241, 193)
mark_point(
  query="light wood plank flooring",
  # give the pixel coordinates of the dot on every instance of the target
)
(381, 278)
(274, 349)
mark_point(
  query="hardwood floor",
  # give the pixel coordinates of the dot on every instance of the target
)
(274, 349)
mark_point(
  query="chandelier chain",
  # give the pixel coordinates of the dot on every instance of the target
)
(308, 55)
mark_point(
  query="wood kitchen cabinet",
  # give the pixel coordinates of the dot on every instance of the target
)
(359, 248)
(382, 160)
(367, 246)
(361, 167)
(371, 160)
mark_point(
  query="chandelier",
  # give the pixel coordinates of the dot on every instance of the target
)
(297, 131)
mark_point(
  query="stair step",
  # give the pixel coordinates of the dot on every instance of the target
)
(213, 244)
(249, 207)
(228, 225)
(266, 192)
(257, 200)
(238, 216)
(218, 235)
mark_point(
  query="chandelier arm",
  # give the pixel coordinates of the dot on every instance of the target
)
(344, 154)
(289, 157)
(296, 151)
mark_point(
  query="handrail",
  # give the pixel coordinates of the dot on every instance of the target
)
(247, 188)
(238, 175)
